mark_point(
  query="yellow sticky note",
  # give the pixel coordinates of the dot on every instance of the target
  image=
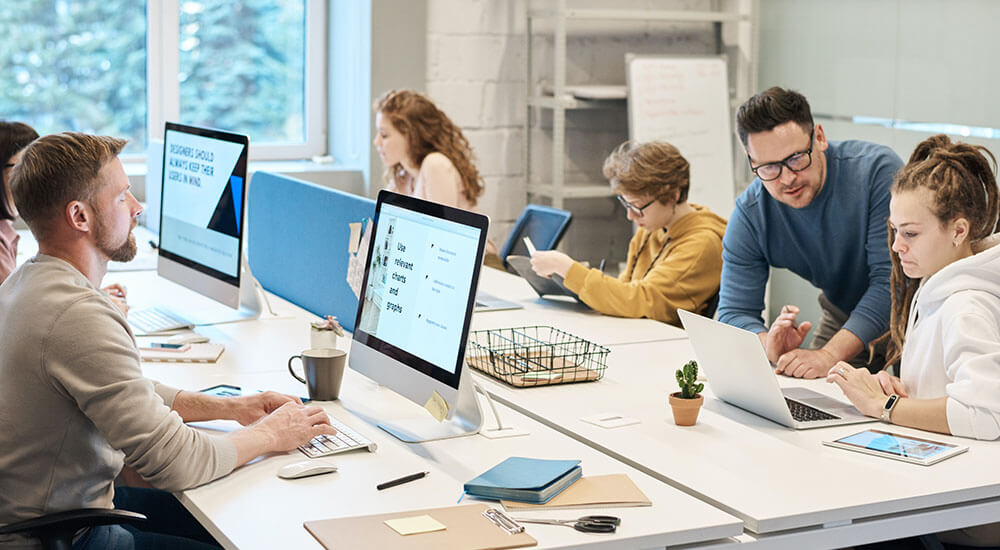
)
(415, 525)
(354, 241)
(437, 406)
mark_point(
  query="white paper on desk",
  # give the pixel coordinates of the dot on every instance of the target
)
(356, 260)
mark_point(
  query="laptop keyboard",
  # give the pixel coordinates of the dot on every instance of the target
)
(805, 413)
(153, 320)
(346, 439)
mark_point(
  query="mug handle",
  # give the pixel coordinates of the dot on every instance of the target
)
(297, 377)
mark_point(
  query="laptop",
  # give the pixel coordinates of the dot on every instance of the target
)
(488, 302)
(741, 375)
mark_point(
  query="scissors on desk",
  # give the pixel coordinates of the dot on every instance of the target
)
(586, 524)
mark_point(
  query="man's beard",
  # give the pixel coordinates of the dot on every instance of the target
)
(124, 252)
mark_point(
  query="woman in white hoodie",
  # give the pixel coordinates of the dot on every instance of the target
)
(945, 323)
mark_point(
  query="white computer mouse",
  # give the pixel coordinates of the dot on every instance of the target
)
(187, 338)
(306, 468)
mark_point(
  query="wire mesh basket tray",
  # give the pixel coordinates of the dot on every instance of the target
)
(535, 356)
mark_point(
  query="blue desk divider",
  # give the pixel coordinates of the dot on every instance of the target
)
(298, 236)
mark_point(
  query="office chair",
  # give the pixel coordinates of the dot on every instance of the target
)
(711, 306)
(55, 531)
(543, 224)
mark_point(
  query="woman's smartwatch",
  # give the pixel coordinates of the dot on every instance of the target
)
(887, 408)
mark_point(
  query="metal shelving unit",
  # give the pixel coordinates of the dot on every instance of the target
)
(734, 20)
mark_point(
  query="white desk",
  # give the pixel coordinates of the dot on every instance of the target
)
(567, 315)
(252, 508)
(783, 483)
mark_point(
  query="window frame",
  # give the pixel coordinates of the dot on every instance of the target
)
(163, 93)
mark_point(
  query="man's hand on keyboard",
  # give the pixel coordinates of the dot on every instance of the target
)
(292, 425)
(248, 409)
(117, 293)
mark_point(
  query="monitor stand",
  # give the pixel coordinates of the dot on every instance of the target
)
(465, 419)
(218, 314)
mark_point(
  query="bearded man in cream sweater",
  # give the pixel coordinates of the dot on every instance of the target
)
(74, 404)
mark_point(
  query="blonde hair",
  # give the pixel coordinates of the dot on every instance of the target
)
(963, 180)
(427, 130)
(655, 169)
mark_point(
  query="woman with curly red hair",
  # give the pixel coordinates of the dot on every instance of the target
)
(425, 154)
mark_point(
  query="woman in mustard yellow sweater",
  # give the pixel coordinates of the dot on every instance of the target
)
(675, 257)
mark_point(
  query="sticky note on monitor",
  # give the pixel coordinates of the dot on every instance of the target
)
(415, 525)
(437, 406)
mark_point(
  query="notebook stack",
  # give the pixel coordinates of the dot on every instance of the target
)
(525, 480)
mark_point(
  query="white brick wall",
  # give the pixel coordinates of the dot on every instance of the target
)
(475, 73)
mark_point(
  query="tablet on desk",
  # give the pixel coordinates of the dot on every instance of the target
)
(543, 286)
(900, 447)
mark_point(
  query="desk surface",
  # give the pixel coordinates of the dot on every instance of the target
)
(789, 490)
(772, 477)
(252, 508)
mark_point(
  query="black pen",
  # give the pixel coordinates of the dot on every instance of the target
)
(400, 481)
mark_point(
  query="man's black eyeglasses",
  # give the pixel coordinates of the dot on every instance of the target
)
(637, 210)
(796, 162)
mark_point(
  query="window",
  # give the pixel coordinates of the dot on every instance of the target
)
(250, 66)
(75, 65)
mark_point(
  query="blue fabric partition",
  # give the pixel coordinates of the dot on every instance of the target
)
(298, 236)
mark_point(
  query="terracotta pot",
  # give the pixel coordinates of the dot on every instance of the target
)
(685, 410)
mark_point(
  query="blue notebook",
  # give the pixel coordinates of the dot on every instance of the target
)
(522, 479)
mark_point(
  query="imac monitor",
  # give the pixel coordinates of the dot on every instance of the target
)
(201, 210)
(415, 308)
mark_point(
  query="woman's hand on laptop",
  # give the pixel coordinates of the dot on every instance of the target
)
(862, 388)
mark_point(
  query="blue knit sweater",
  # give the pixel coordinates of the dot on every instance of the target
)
(838, 242)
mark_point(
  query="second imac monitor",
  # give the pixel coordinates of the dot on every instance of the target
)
(201, 210)
(415, 309)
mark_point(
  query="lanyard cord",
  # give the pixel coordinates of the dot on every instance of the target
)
(639, 253)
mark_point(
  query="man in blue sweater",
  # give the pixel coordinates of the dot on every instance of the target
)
(819, 209)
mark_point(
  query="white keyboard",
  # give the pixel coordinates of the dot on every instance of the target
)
(153, 320)
(347, 439)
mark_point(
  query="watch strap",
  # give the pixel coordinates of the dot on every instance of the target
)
(890, 404)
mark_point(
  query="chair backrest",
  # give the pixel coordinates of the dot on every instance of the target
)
(711, 306)
(298, 242)
(543, 224)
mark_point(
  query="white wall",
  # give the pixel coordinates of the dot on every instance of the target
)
(919, 61)
(476, 73)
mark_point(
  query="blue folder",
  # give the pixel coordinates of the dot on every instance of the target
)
(525, 479)
(298, 235)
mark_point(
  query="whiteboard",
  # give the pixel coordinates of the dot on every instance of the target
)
(685, 102)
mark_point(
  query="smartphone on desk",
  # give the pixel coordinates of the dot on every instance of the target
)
(165, 346)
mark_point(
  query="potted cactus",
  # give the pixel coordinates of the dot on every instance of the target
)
(687, 403)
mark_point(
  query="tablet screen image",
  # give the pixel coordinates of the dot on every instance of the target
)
(907, 448)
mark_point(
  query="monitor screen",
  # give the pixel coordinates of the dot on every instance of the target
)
(201, 208)
(419, 289)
